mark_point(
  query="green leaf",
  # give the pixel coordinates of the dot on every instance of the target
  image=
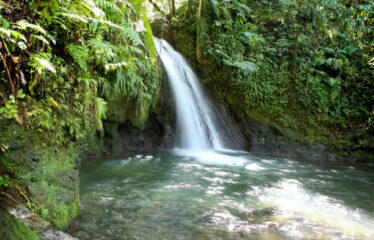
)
(245, 65)
(350, 49)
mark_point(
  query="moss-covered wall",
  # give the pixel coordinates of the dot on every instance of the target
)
(56, 90)
(45, 176)
(355, 144)
(13, 229)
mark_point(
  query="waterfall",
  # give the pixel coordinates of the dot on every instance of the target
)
(196, 117)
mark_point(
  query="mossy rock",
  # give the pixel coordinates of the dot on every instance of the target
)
(55, 186)
(13, 229)
(50, 178)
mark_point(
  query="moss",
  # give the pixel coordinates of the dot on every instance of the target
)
(55, 185)
(47, 173)
(13, 229)
(120, 110)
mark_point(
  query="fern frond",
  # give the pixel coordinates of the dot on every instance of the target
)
(76, 17)
(41, 61)
(104, 51)
(7, 33)
(120, 84)
(80, 55)
(85, 7)
(133, 36)
(215, 6)
(244, 65)
(108, 6)
(41, 38)
(246, 9)
(23, 25)
(150, 45)
(100, 113)
(136, 51)
(109, 23)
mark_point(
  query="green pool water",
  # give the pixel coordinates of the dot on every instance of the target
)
(227, 195)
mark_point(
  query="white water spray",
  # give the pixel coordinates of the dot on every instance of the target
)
(195, 115)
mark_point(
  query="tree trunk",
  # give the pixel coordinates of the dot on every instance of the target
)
(189, 8)
(198, 53)
(310, 68)
(13, 92)
(172, 8)
(294, 55)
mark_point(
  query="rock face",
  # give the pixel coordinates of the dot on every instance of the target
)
(158, 131)
(244, 133)
(266, 139)
(13, 229)
(38, 225)
(233, 137)
(51, 176)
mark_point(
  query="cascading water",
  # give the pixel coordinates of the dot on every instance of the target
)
(225, 194)
(195, 116)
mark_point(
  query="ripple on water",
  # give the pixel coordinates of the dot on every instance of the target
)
(254, 167)
(301, 209)
(231, 197)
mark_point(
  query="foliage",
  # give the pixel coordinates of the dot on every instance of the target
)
(12, 228)
(308, 59)
(94, 49)
(62, 63)
(4, 181)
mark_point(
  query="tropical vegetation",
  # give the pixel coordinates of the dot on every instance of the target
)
(66, 66)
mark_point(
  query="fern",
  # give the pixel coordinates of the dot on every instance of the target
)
(149, 38)
(215, 6)
(41, 38)
(85, 7)
(41, 61)
(100, 113)
(108, 6)
(103, 51)
(133, 36)
(80, 55)
(244, 65)
(12, 34)
(76, 17)
(24, 25)
(136, 51)
(108, 23)
(244, 7)
(119, 87)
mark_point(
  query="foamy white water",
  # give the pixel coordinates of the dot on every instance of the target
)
(195, 117)
(223, 196)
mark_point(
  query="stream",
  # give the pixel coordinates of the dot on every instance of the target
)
(227, 195)
(203, 190)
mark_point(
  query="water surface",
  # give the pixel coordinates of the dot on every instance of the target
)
(230, 195)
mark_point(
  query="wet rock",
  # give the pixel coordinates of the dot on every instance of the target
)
(270, 139)
(41, 227)
(35, 158)
(30, 219)
(269, 211)
(202, 70)
(70, 176)
(231, 136)
(56, 235)
(13, 229)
